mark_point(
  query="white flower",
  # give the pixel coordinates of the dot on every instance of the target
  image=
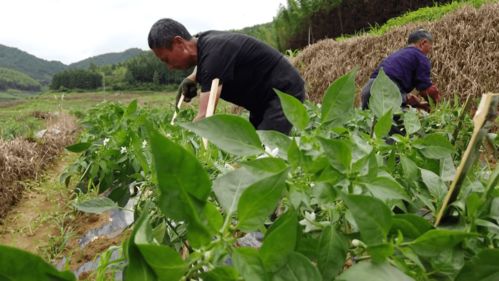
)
(229, 167)
(123, 150)
(319, 105)
(356, 243)
(309, 222)
(310, 216)
(168, 135)
(106, 140)
(144, 144)
(271, 151)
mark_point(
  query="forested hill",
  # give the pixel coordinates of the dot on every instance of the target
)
(108, 59)
(304, 22)
(39, 69)
(42, 70)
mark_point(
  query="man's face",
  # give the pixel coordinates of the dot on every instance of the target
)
(425, 45)
(177, 57)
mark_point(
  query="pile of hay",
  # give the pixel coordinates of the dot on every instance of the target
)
(465, 57)
(22, 159)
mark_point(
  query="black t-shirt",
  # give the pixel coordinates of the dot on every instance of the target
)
(247, 68)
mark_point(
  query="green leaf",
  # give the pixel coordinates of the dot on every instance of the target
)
(248, 263)
(380, 252)
(373, 272)
(372, 216)
(447, 168)
(131, 109)
(259, 200)
(483, 267)
(297, 268)
(212, 217)
(165, 262)
(432, 242)
(294, 110)
(491, 227)
(183, 183)
(230, 133)
(338, 102)
(473, 203)
(267, 166)
(493, 182)
(360, 147)
(385, 96)
(411, 226)
(137, 268)
(279, 241)
(96, 205)
(18, 265)
(434, 184)
(411, 122)
(275, 139)
(229, 187)
(494, 208)
(386, 189)
(139, 152)
(383, 125)
(339, 153)
(332, 252)
(295, 155)
(410, 169)
(224, 273)
(434, 146)
(79, 147)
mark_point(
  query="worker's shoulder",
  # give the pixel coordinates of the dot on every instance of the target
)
(215, 35)
(408, 53)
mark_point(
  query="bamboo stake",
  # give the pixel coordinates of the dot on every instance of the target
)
(486, 112)
(176, 109)
(212, 102)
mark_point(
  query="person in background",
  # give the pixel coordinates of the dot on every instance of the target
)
(409, 68)
(249, 71)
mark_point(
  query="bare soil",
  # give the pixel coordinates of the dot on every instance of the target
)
(44, 222)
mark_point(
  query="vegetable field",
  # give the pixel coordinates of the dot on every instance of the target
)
(343, 198)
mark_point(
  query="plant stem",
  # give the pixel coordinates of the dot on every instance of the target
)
(180, 237)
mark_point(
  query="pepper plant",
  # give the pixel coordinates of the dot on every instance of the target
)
(343, 198)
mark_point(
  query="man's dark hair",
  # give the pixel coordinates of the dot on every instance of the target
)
(419, 34)
(163, 31)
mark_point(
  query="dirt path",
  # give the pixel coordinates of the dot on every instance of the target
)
(44, 222)
(38, 223)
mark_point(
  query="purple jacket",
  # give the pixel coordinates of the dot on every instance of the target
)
(409, 68)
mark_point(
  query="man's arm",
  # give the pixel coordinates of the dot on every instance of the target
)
(203, 103)
(187, 88)
(192, 76)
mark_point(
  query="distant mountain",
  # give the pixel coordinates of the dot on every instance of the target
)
(12, 79)
(109, 58)
(39, 69)
(43, 70)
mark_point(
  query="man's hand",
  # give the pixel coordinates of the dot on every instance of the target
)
(188, 88)
(432, 92)
(413, 101)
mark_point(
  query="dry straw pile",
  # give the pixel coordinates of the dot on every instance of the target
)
(22, 159)
(465, 55)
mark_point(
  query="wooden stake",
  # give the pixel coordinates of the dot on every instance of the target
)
(486, 112)
(176, 109)
(212, 102)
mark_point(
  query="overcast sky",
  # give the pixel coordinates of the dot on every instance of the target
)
(72, 30)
